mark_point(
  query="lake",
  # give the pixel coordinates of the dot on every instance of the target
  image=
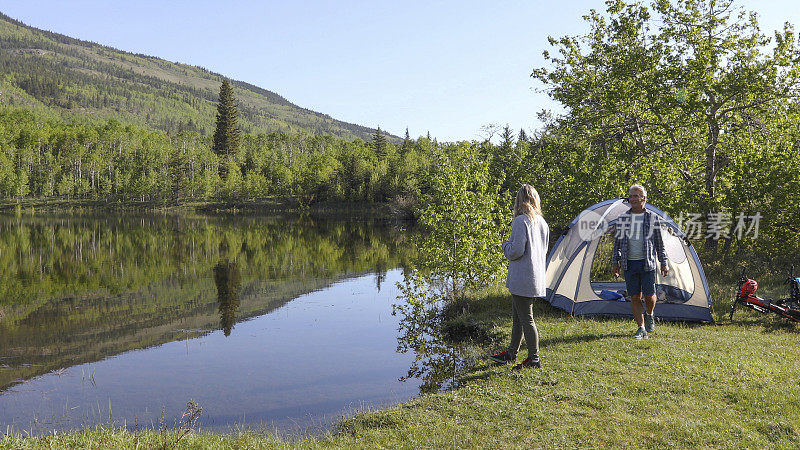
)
(276, 322)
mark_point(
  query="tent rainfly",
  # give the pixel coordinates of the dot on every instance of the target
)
(573, 286)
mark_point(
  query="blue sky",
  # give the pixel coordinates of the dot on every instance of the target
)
(448, 67)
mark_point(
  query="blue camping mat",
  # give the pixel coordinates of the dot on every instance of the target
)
(611, 295)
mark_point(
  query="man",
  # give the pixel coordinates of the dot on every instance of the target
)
(638, 250)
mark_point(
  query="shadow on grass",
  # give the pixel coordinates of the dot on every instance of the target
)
(498, 305)
(783, 325)
(541, 308)
(555, 341)
(768, 322)
(483, 372)
(659, 321)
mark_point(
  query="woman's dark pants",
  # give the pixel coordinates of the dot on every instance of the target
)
(523, 324)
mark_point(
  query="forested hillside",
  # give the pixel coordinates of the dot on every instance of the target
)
(78, 80)
(81, 120)
(45, 158)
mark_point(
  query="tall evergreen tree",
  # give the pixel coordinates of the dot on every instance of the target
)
(406, 142)
(226, 134)
(522, 137)
(503, 159)
(379, 141)
(507, 137)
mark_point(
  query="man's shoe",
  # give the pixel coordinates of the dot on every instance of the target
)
(649, 322)
(529, 364)
(641, 333)
(502, 358)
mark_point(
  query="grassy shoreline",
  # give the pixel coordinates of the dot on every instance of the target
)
(729, 384)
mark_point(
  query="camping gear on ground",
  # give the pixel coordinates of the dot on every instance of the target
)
(786, 307)
(579, 268)
(611, 295)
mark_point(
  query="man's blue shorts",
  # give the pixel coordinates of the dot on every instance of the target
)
(638, 280)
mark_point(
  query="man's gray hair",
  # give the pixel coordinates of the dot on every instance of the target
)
(638, 187)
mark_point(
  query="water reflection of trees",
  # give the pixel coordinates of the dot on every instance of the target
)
(441, 335)
(437, 361)
(228, 280)
(380, 273)
(43, 257)
(79, 288)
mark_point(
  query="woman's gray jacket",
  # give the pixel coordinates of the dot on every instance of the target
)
(526, 251)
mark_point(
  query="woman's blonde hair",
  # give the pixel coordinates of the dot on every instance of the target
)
(528, 202)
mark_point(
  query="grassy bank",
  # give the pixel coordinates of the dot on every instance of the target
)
(729, 384)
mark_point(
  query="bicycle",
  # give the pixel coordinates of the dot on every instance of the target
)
(788, 308)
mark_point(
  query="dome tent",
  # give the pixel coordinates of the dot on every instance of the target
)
(579, 265)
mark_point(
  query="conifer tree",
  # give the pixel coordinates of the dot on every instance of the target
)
(226, 134)
(379, 141)
(503, 160)
(522, 137)
(406, 142)
(507, 137)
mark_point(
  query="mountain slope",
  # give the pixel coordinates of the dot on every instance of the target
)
(78, 80)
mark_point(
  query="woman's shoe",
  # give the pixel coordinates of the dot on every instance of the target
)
(529, 364)
(502, 358)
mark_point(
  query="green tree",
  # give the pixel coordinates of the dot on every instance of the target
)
(673, 87)
(522, 137)
(463, 217)
(226, 134)
(459, 253)
(504, 161)
(379, 142)
(406, 143)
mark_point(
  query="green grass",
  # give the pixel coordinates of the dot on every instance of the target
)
(729, 384)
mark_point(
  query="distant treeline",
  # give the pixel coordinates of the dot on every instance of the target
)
(41, 158)
(47, 158)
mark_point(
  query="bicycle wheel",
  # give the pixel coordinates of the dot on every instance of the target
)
(733, 306)
(736, 293)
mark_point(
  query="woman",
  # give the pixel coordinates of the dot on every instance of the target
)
(526, 251)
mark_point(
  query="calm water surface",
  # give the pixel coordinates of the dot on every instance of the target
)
(277, 322)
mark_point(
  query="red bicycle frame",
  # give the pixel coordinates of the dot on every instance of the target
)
(746, 296)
